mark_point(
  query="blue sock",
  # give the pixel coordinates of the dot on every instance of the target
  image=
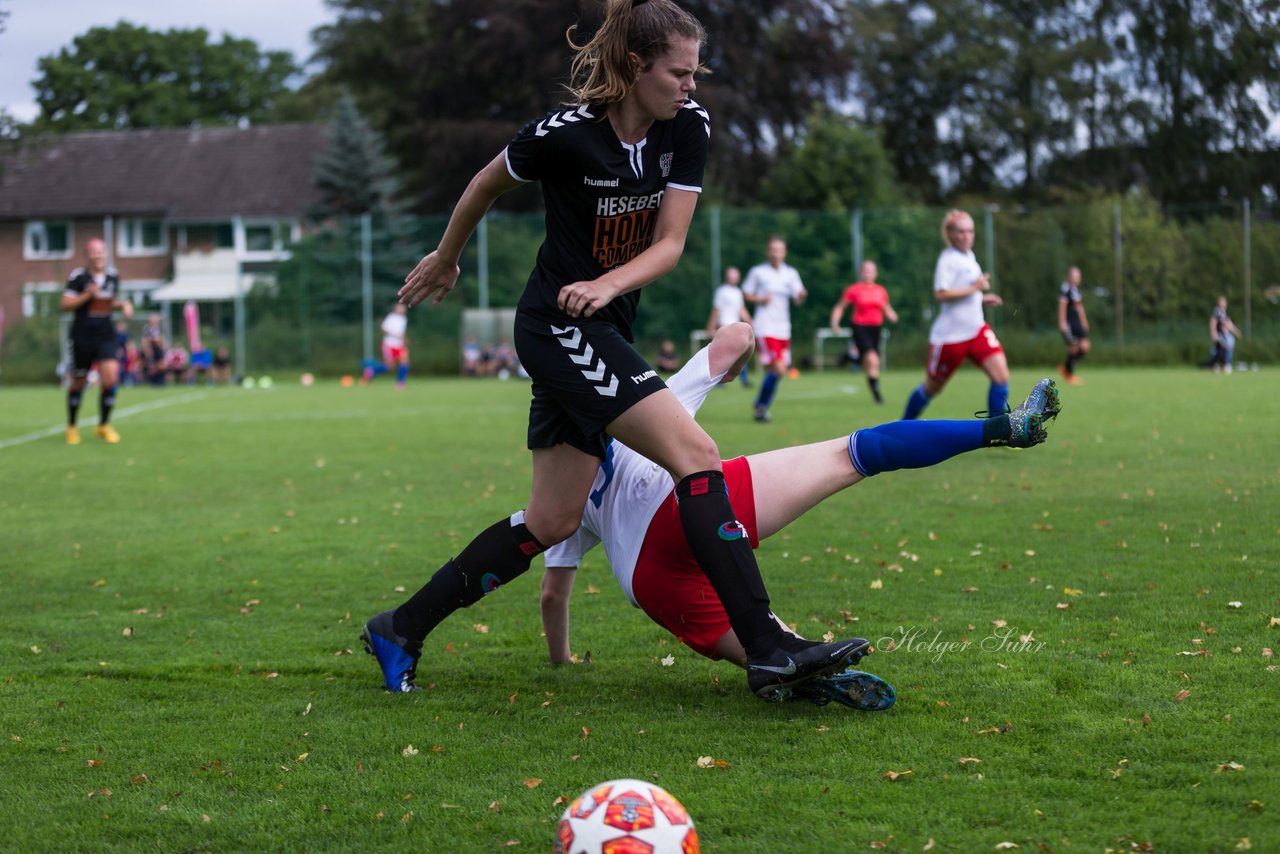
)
(911, 444)
(768, 389)
(402, 373)
(916, 403)
(997, 398)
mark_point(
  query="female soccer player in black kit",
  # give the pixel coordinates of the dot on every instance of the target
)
(620, 169)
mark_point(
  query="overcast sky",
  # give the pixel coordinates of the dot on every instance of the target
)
(37, 28)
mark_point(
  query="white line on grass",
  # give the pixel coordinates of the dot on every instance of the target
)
(120, 413)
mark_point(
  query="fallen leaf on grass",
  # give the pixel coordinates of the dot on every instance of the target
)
(668, 661)
(876, 584)
(409, 751)
(895, 776)
(495, 806)
(139, 779)
(1002, 846)
(928, 846)
(481, 629)
(94, 763)
(1182, 695)
(710, 762)
(533, 782)
(1229, 766)
(966, 760)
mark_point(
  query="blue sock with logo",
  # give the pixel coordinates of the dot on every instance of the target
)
(723, 550)
(997, 398)
(912, 444)
(402, 374)
(500, 553)
(916, 403)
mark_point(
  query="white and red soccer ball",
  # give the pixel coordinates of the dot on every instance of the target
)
(626, 817)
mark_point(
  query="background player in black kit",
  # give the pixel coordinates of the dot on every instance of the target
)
(620, 171)
(93, 292)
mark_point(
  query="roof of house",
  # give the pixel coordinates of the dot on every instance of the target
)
(185, 173)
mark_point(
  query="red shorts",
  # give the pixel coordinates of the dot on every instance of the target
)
(774, 350)
(669, 584)
(395, 354)
(945, 358)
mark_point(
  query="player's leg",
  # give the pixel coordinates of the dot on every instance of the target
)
(402, 368)
(942, 362)
(562, 477)
(660, 429)
(996, 367)
(772, 366)
(81, 362)
(109, 374)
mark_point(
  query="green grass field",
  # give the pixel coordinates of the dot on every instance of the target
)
(180, 669)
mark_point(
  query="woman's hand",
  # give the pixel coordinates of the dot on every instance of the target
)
(583, 299)
(434, 277)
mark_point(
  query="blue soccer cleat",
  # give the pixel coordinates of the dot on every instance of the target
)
(397, 656)
(853, 688)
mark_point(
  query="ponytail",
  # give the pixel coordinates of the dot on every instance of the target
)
(602, 71)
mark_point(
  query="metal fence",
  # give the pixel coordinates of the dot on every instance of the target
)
(1151, 276)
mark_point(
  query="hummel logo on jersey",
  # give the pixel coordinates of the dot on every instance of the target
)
(783, 671)
(600, 182)
(647, 375)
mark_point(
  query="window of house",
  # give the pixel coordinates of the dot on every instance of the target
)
(142, 237)
(46, 239)
(267, 237)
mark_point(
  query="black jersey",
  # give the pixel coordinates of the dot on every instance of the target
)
(93, 318)
(601, 196)
(1070, 294)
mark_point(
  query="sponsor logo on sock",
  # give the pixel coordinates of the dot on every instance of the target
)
(701, 486)
(733, 530)
(530, 548)
(489, 583)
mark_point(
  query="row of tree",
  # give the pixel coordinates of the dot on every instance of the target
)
(814, 104)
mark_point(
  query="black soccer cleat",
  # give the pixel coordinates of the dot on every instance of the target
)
(397, 656)
(771, 676)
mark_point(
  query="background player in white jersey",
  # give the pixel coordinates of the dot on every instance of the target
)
(1073, 323)
(93, 292)
(729, 306)
(772, 287)
(960, 330)
(620, 171)
(395, 346)
(652, 563)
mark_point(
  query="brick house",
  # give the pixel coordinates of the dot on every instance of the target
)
(191, 213)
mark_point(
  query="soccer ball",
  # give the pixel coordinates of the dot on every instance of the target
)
(626, 817)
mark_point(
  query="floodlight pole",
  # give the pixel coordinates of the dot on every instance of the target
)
(1118, 252)
(1248, 272)
(716, 269)
(855, 229)
(366, 280)
(482, 250)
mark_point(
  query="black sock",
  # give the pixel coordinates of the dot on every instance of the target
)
(874, 382)
(1070, 364)
(73, 406)
(996, 431)
(500, 553)
(720, 544)
(105, 403)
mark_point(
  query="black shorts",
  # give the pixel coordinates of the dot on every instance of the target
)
(585, 374)
(867, 339)
(1074, 334)
(87, 349)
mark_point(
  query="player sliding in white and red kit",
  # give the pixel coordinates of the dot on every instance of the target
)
(632, 511)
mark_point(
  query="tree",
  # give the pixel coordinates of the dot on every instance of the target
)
(449, 84)
(131, 77)
(835, 165)
(353, 174)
